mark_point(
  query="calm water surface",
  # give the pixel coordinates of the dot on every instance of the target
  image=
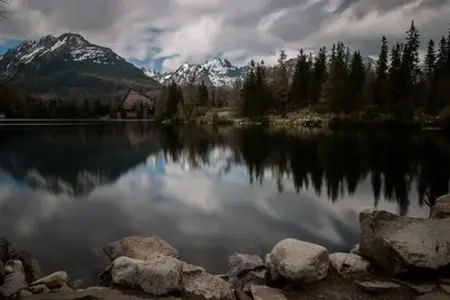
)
(67, 190)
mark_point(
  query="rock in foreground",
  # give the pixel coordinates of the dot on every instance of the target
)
(141, 248)
(404, 244)
(298, 261)
(349, 265)
(157, 276)
(441, 210)
(245, 271)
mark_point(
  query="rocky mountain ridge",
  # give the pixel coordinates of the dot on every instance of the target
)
(70, 65)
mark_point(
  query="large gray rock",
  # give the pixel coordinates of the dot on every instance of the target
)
(15, 280)
(349, 265)
(55, 281)
(157, 276)
(299, 261)
(267, 293)
(403, 244)
(377, 287)
(197, 284)
(246, 270)
(441, 209)
(141, 248)
(355, 249)
(30, 264)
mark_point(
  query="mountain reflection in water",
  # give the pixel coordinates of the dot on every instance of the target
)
(208, 191)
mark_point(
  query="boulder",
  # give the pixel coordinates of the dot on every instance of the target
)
(54, 281)
(240, 263)
(355, 249)
(404, 244)
(441, 209)
(30, 264)
(15, 280)
(445, 288)
(266, 293)
(198, 284)
(376, 287)
(245, 271)
(141, 248)
(39, 289)
(157, 276)
(298, 261)
(349, 265)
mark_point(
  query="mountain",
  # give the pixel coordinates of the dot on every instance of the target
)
(69, 65)
(214, 72)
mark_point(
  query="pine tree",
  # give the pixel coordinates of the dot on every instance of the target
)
(394, 76)
(202, 94)
(336, 85)
(355, 83)
(381, 74)
(410, 64)
(282, 83)
(299, 89)
(319, 75)
(430, 77)
(248, 91)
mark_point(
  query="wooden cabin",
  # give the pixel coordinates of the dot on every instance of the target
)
(133, 102)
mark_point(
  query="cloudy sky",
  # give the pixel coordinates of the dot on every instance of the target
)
(165, 33)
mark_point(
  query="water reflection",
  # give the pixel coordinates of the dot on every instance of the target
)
(208, 191)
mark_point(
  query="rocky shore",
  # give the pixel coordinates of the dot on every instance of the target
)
(397, 258)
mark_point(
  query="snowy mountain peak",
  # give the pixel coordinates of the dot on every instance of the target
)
(70, 46)
(215, 72)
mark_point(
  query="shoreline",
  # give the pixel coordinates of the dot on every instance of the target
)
(397, 258)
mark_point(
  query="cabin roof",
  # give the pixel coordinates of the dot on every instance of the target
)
(133, 98)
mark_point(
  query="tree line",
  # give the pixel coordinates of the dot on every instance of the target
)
(398, 85)
(342, 81)
(337, 80)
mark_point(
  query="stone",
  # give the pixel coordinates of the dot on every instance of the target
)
(446, 288)
(376, 287)
(421, 288)
(25, 293)
(15, 280)
(349, 265)
(30, 264)
(56, 280)
(39, 289)
(355, 249)
(403, 244)
(239, 263)
(271, 271)
(240, 295)
(433, 296)
(299, 261)
(202, 285)
(245, 271)
(141, 248)
(441, 209)
(157, 276)
(266, 293)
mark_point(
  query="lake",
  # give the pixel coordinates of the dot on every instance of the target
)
(68, 189)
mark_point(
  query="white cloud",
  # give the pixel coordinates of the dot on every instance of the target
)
(192, 30)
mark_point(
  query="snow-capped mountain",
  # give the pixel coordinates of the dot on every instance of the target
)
(214, 72)
(58, 65)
